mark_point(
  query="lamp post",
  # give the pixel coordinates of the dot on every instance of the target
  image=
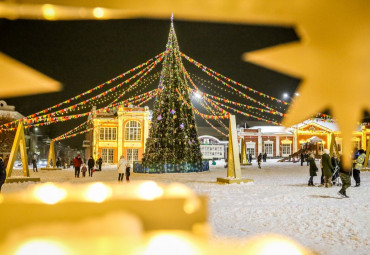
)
(295, 127)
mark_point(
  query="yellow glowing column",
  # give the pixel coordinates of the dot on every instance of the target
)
(363, 136)
(120, 133)
(233, 164)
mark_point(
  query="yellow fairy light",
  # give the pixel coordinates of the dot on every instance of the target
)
(49, 193)
(48, 11)
(98, 192)
(98, 12)
(150, 190)
(41, 247)
(169, 244)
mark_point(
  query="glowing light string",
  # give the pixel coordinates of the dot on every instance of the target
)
(211, 72)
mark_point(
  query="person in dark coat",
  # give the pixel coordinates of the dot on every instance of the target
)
(99, 162)
(313, 169)
(327, 168)
(264, 157)
(302, 158)
(259, 160)
(91, 164)
(128, 168)
(335, 164)
(345, 176)
(2, 173)
(77, 162)
(34, 164)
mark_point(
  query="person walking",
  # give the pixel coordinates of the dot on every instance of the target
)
(128, 168)
(328, 169)
(335, 164)
(121, 168)
(2, 173)
(83, 170)
(259, 160)
(250, 158)
(34, 164)
(264, 157)
(345, 176)
(302, 158)
(313, 169)
(358, 165)
(99, 162)
(91, 164)
(77, 162)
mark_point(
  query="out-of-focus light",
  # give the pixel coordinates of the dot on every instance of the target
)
(169, 244)
(297, 94)
(36, 128)
(98, 192)
(197, 95)
(178, 190)
(150, 190)
(41, 247)
(49, 193)
(191, 205)
(98, 12)
(48, 11)
(271, 245)
(285, 95)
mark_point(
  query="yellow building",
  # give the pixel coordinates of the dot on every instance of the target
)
(122, 132)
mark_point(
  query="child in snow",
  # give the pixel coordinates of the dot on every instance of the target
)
(313, 168)
(128, 167)
(83, 170)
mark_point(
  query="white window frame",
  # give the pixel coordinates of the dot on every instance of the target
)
(108, 134)
(269, 144)
(251, 147)
(132, 155)
(286, 149)
(107, 155)
(133, 131)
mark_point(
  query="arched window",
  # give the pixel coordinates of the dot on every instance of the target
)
(133, 131)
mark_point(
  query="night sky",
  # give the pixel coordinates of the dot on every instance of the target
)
(84, 54)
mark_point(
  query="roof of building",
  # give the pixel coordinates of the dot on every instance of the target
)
(9, 110)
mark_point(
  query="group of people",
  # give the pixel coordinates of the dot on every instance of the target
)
(261, 157)
(77, 163)
(332, 168)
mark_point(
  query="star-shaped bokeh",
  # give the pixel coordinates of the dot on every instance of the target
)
(332, 59)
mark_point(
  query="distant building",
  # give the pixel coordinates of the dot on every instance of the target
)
(122, 132)
(314, 135)
(212, 148)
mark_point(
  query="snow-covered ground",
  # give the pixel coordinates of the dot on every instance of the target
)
(278, 201)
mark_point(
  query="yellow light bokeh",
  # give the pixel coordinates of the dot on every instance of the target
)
(98, 192)
(48, 11)
(170, 244)
(98, 12)
(150, 190)
(41, 247)
(49, 193)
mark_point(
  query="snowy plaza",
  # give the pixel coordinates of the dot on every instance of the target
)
(278, 201)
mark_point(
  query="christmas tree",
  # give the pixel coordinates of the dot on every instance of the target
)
(172, 145)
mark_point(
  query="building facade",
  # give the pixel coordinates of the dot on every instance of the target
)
(122, 132)
(313, 134)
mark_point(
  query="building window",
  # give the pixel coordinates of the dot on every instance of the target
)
(133, 131)
(132, 155)
(269, 149)
(251, 149)
(213, 151)
(285, 149)
(108, 133)
(107, 155)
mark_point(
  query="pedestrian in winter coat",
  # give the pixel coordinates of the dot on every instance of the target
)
(335, 164)
(327, 168)
(2, 173)
(77, 162)
(313, 169)
(128, 168)
(91, 164)
(34, 164)
(250, 157)
(358, 165)
(259, 159)
(302, 158)
(345, 176)
(99, 162)
(264, 157)
(83, 170)
(121, 168)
